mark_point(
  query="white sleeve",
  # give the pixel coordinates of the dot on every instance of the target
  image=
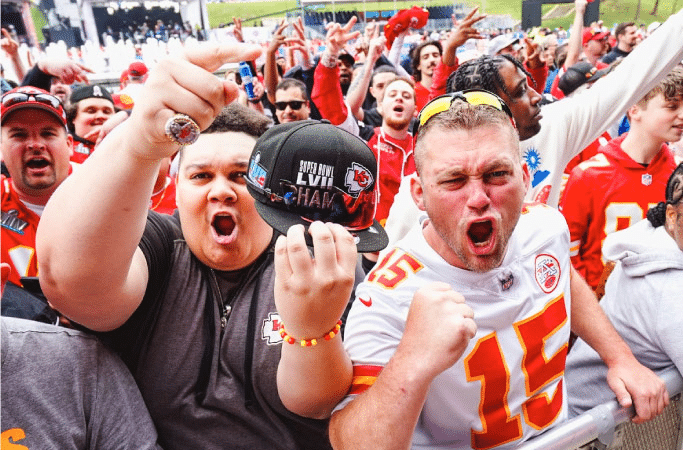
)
(590, 113)
(349, 124)
(403, 214)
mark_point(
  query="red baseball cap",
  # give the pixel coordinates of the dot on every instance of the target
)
(590, 34)
(137, 69)
(25, 97)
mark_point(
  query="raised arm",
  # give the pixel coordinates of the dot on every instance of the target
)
(423, 353)
(327, 94)
(535, 65)
(311, 295)
(576, 33)
(11, 47)
(270, 76)
(359, 86)
(633, 383)
(461, 32)
(87, 243)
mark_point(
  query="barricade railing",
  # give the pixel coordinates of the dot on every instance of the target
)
(609, 427)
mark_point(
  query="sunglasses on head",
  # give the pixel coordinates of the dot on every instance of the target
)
(13, 98)
(472, 96)
(294, 104)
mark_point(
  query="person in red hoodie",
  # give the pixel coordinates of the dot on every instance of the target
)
(614, 189)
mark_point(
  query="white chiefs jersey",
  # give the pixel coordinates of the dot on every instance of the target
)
(508, 385)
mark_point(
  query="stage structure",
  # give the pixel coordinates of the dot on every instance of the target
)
(531, 12)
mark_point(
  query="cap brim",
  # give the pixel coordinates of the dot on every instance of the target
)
(32, 105)
(372, 239)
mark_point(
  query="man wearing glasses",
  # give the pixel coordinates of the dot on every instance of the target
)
(460, 333)
(291, 101)
(35, 148)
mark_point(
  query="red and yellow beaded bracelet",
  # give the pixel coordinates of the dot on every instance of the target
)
(309, 342)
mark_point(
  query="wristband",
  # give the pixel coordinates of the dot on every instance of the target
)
(309, 342)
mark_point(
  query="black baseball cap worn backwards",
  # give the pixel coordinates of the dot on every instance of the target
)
(310, 170)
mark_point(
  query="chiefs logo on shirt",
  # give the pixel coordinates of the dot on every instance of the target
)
(270, 332)
(547, 272)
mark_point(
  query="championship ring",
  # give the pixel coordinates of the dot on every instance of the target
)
(182, 130)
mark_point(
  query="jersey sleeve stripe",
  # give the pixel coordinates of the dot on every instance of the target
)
(371, 371)
(363, 378)
(574, 248)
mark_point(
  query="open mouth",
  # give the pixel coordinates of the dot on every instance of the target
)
(480, 233)
(37, 163)
(398, 108)
(224, 225)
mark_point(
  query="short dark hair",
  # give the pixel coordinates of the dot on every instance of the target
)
(238, 118)
(483, 73)
(384, 68)
(288, 83)
(621, 28)
(415, 57)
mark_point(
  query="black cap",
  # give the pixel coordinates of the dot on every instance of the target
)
(579, 74)
(90, 91)
(347, 58)
(310, 170)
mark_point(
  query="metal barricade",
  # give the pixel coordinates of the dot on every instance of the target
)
(609, 427)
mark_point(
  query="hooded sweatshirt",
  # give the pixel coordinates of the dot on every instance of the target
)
(644, 300)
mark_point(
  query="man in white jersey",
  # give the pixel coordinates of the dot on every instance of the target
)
(459, 335)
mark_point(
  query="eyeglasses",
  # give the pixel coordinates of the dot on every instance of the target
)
(472, 96)
(14, 98)
(294, 104)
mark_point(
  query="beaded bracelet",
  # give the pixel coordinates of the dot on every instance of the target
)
(310, 342)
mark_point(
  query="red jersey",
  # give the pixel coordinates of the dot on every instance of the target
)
(439, 85)
(394, 161)
(164, 200)
(19, 226)
(606, 193)
(81, 151)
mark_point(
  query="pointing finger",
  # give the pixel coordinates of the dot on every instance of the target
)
(212, 56)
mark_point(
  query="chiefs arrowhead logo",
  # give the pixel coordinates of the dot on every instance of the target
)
(367, 302)
(358, 178)
(547, 272)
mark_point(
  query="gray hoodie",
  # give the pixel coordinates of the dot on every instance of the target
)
(644, 300)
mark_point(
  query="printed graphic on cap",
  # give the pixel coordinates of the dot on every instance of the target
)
(296, 196)
(257, 173)
(97, 91)
(315, 174)
(547, 272)
(358, 179)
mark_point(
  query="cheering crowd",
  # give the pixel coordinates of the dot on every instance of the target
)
(327, 248)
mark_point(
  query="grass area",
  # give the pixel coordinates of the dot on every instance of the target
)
(39, 21)
(224, 12)
(616, 11)
(611, 11)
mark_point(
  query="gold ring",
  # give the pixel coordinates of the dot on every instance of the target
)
(182, 130)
